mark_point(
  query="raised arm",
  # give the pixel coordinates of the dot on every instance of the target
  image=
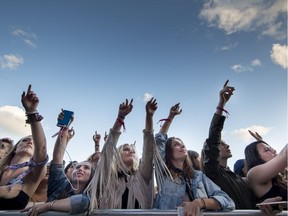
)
(96, 139)
(30, 102)
(211, 152)
(162, 136)
(149, 141)
(174, 110)
(64, 136)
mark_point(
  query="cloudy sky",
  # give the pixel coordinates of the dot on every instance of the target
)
(89, 56)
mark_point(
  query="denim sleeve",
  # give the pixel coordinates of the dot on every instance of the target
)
(161, 140)
(79, 203)
(56, 180)
(214, 191)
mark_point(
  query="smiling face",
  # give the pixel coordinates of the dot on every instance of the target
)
(266, 152)
(83, 172)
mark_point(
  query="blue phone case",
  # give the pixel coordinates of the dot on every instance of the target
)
(66, 120)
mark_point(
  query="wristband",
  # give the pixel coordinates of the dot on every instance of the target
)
(121, 122)
(222, 109)
(33, 117)
(203, 202)
(51, 205)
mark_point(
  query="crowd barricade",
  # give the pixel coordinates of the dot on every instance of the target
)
(146, 212)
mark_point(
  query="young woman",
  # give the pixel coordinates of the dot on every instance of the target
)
(119, 183)
(179, 184)
(65, 194)
(265, 168)
(25, 163)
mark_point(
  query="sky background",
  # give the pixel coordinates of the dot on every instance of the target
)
(89, 56)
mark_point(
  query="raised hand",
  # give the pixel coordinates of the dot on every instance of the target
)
(175, 110)
(105, 136)
(225, 93)
(151, 106)
(125, 108)
(29, 100)
(96, 137)
(256, 136)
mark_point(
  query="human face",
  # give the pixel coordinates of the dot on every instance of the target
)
(225, 151)
(83, 172)
(128, 155)
(179, 149)
(26, 145)
(4, 148)
(266, 152)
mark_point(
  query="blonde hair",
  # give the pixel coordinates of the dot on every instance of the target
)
(118, 164)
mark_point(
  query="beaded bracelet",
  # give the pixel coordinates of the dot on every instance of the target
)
(33, 117)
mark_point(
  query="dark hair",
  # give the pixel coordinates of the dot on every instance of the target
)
(187, 167)
(69, 165)
(193, 155)
(252, 159)
(8, 140)
(252, 155)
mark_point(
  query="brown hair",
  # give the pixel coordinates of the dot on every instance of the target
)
(187, 167)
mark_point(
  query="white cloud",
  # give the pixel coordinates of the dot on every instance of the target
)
(27, 37)
(10, 61)
(279, 55)
(29, 43)
(232, 16)
(12, 121)
(256, 62)
(245, 135)
(238, 68)
(147, 97)
(228, 47)
(21, 33)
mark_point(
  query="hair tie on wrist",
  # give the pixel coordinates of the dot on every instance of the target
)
(204, 203)
(161, 120)
(222, 109)
(122, 117)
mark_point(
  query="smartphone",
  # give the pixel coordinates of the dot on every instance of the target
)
(275, 205)
(66, 121)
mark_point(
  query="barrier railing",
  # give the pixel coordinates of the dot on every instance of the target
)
(145, 212)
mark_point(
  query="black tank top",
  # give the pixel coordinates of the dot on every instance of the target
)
(17, 203)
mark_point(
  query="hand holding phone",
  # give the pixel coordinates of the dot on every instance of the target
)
(67, 119)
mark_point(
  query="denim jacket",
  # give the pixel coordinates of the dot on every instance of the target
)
(60, 188)
(172, 194)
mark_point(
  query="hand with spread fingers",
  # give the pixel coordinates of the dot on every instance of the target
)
(255, 135)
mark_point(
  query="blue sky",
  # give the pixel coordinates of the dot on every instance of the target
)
(89, 56)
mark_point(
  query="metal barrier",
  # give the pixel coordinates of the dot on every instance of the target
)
(145, 212)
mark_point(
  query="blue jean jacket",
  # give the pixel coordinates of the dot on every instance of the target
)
(172, 193)
(58, 183)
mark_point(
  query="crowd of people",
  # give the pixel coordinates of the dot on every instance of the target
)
(115, 178)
